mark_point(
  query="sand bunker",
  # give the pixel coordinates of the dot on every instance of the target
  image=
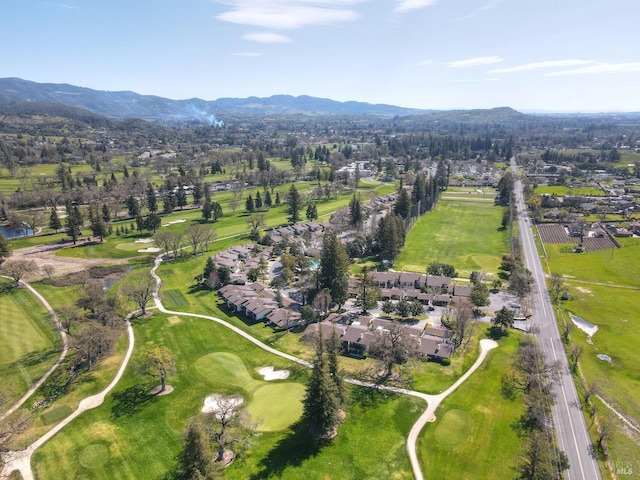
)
(212, 402)
(174, 221)
(144, 240)
(270, 374)
(149, 250)
(587, 327)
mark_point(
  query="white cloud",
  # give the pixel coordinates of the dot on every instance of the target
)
(407, 5)
(538, 65)
(489, 6)
(267, 38)
(475, 62)
(288, 14)
(597, 67)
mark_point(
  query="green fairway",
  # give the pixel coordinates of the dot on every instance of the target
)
(463, 233)
(473, 436)
(29, 341)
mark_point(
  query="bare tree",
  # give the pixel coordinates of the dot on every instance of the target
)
(461, 320)
(557, 284)
(195, 234)
(391, 348)
(48, 270)
(17, 269)
(163, 240)
(230, 428)
(69, 317)
(139, 288)
(176, 241)
(93, 342)
(10, 425)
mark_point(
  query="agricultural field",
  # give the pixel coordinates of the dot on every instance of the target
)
(464, 232)
(604, 287)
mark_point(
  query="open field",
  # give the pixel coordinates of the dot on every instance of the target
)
(466, 234)
(473, 436)
(563, 190)
(29, 342)
(604, 287)
(137, 436)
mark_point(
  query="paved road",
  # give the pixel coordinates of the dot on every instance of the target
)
(568, 418)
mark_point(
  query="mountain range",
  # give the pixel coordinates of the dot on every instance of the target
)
(126, 104)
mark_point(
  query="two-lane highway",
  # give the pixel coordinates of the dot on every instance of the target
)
(568, 418)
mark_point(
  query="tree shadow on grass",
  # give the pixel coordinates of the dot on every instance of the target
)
(291, 451)
(130, 401)
(496, 333)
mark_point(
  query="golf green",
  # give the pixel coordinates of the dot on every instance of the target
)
(225, 368)
(276, 406)
(454, 429)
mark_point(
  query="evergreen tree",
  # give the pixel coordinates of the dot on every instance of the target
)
(277, 198)
(312, 212)
(181, 198)
(355, 212)
(334, 268)
(267, 199)
(207, 210)
(294, 200)
(402, 206)
(54, 221)
(333, 352)
(321, 403)
(198, 193)
(197, 461)
(390, 236)
(168, 202)
(152, 222)
(152, 201)
(74, 223)
(106, 213)
(258, 201)
(368, 292)
(249, 206)
(5, 249)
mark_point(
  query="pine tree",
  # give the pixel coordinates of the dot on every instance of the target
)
(249, 205)
(74, 223)
(258, 201)
(294, 200)
(152, 201)
(368, 292)
(54, 221)
(334, 267)
(312, 212)
(355, 212)
(390, 236)
(321, 402)
(402, 206)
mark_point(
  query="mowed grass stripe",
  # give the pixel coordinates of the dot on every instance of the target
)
(22, 329)
(464, 234)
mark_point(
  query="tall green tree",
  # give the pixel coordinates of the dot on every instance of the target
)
(5, 249)
(312, 212)
(54, 221)
(390, 236)
(321, 404)
(158, 362)
(197, 460)
(294, 200)
(249, 205)
(334, 267)
(152, 201)
(74, 223)
(355, 212)
(368, 292)
(402, 206)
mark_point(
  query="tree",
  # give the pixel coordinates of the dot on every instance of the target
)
(258, 201)
(139, 288)
(133, 206)
(461, 320)
(402, 206)
(540, 461)
(334, 265)
(355, 212)
(158, 362)
(230, 428)
(321, 404)
(54, 221)
(388, 307)
(255, 222)
(403, 308)
(93, 342)
(233, 203)
(152, 222)
(152, 201)
(557, 284)
(5, 249)
(503, 319)
(249, 204)
(391, 347)
(163, 240)
(390, 237)
(368, 292)
(74, 223)
(181, 197)
(11, 426)
(294, 200)
(17, 269)
(312, 212)
(196, 235)
(69, 316)
(479, 295)
(197, 460)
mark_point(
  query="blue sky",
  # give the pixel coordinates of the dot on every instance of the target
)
(560, 55)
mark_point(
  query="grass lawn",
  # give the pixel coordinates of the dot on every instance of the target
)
(465, 234)
(472, 437)
(29, 342)
(562, 190)
(604, 288)
(136, 436)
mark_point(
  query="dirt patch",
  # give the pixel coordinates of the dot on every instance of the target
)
(157, 390)
(584, 290)
(45, 255)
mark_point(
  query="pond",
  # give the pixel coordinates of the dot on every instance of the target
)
(4, 230)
